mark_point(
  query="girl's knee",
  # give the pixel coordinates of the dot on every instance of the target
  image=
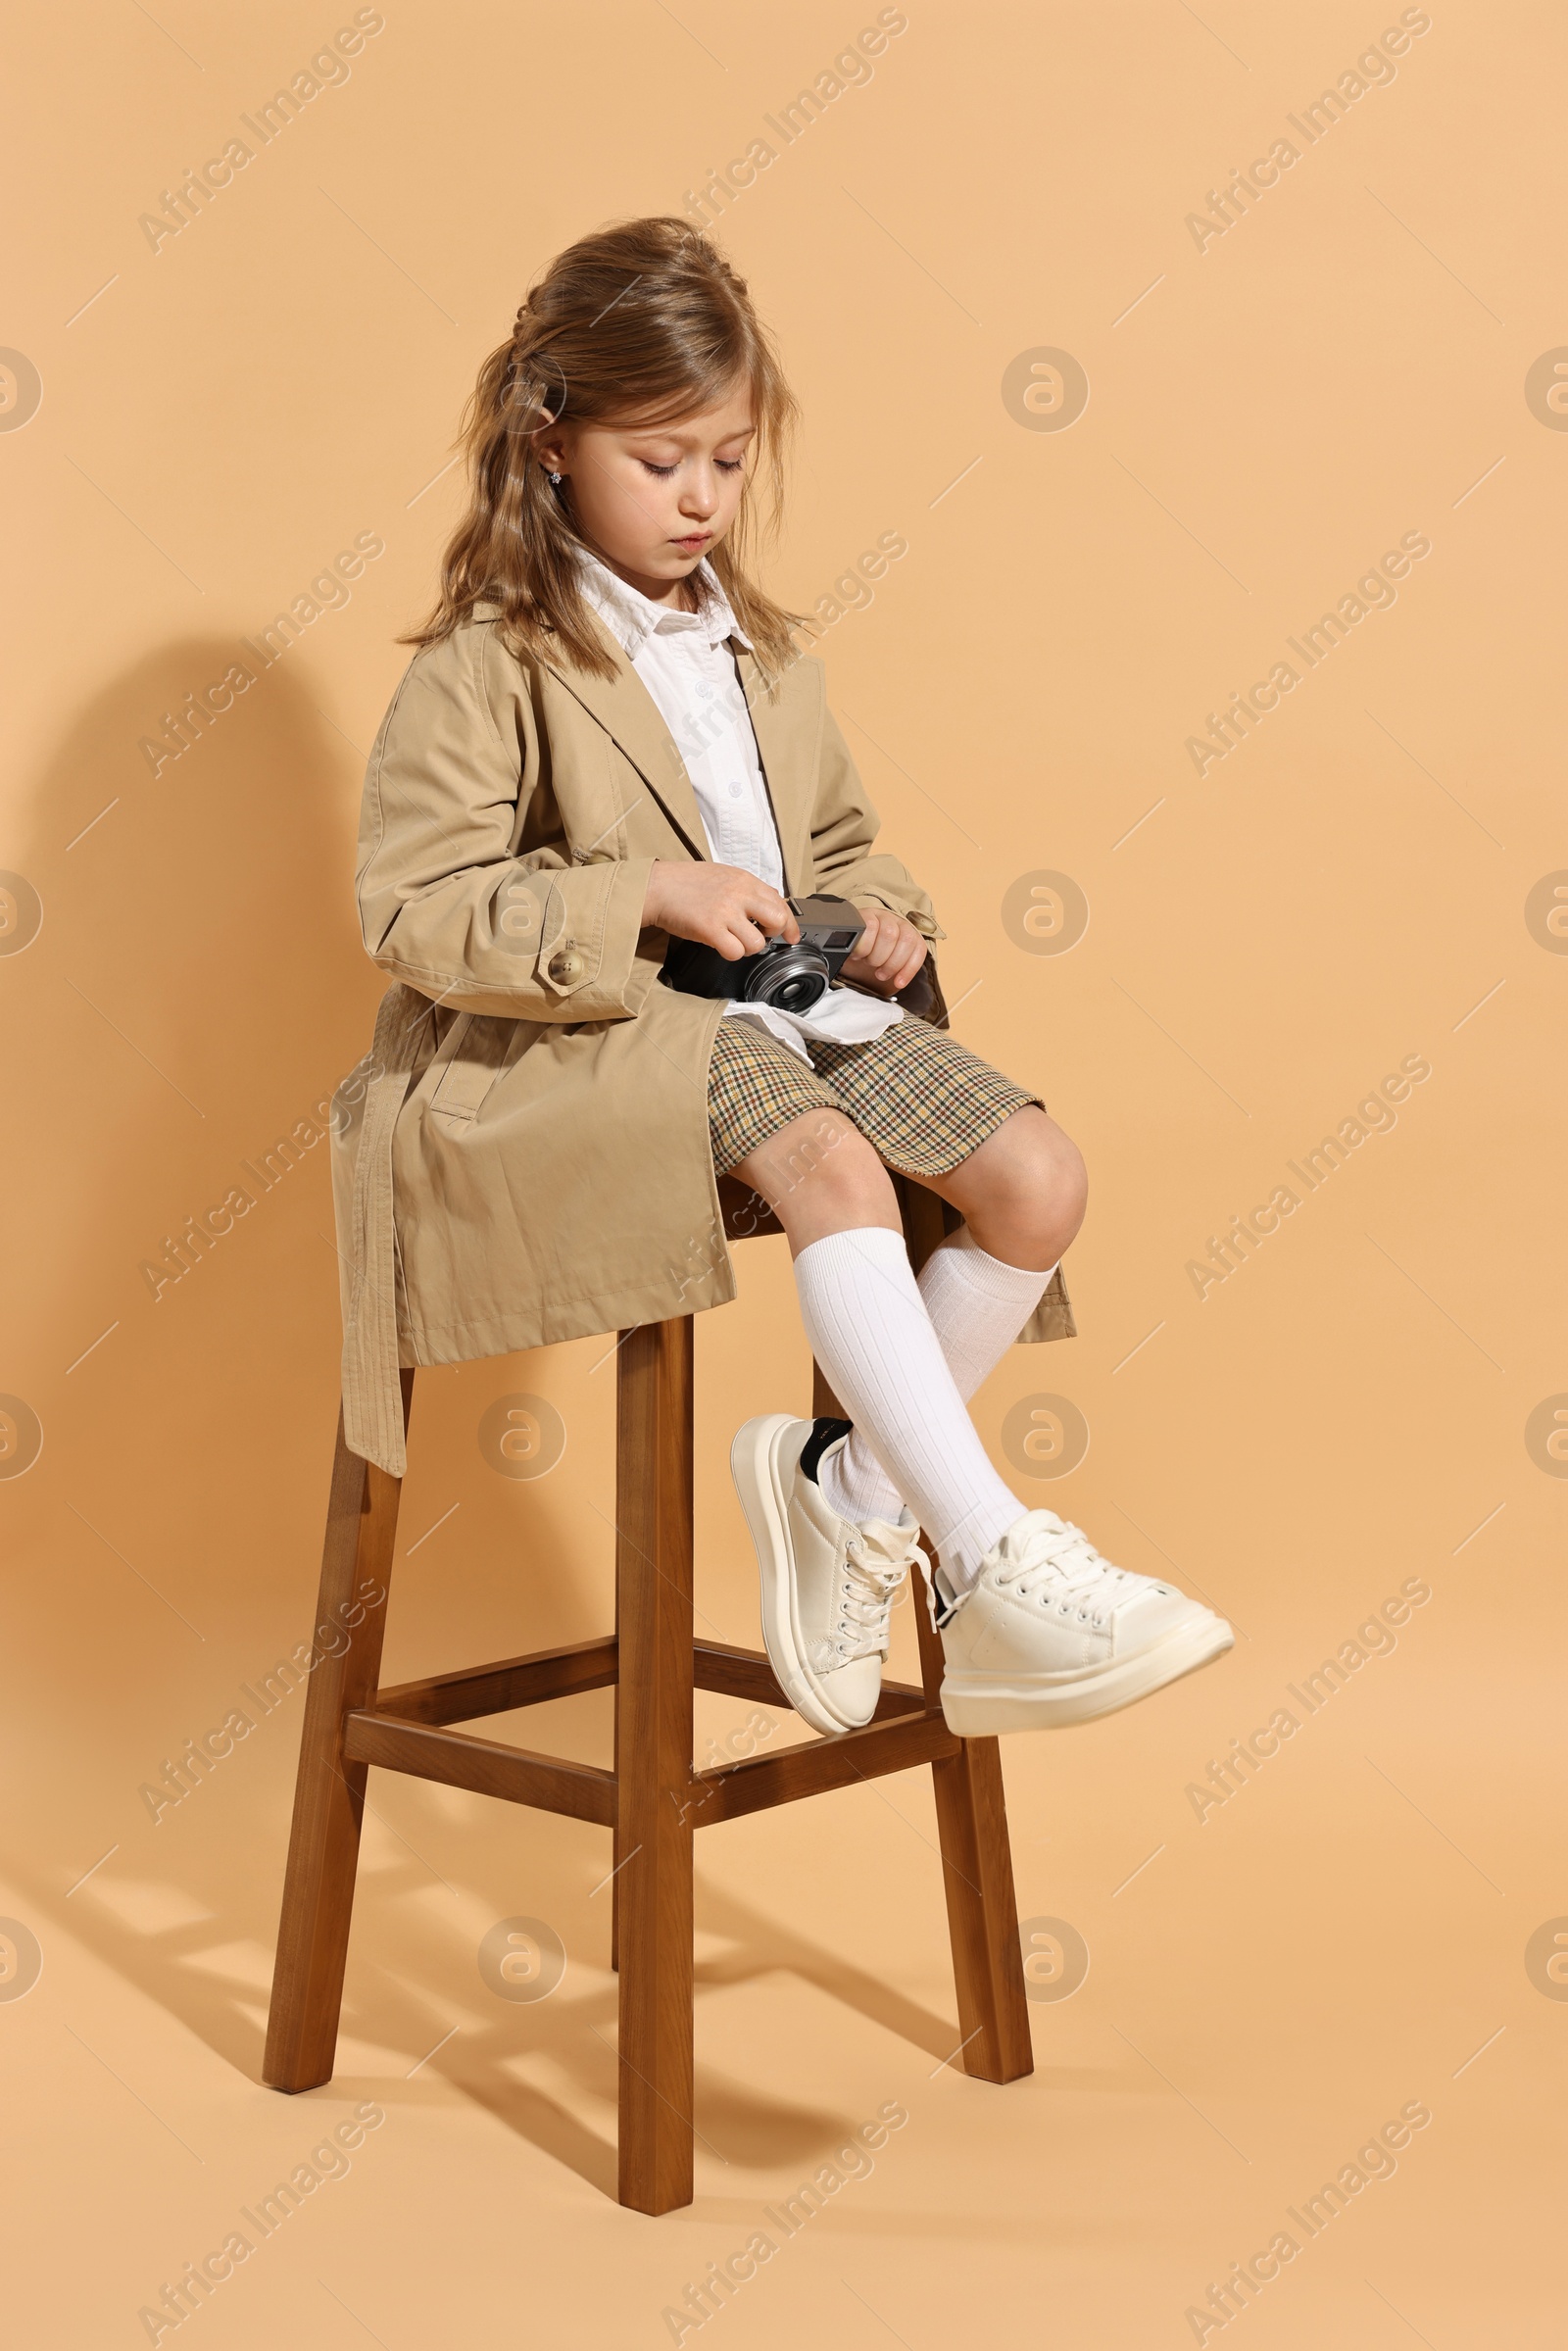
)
(1032, 1190)
(820, 1170)
(845, 1169)
(1066, 1179)
(1064, 1190)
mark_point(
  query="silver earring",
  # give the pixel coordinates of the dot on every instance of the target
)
(555, 481)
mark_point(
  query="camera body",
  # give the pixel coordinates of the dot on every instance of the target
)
(790, 977)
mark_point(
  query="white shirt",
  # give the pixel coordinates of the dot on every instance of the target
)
(685, 660)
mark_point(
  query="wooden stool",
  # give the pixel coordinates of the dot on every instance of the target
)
(653, 1799)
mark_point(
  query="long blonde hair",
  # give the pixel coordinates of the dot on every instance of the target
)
(646, 319)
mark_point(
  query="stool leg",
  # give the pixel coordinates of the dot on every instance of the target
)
(971, 1816)
(976, 1865)
(982, 1907)
(654, 1762)
(323, 1851)
(614, 1844)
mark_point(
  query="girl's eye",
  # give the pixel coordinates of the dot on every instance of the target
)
(725, 464)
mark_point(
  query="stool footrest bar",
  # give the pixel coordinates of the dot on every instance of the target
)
(484, 1765)
(810, 1771)
(480, 1689)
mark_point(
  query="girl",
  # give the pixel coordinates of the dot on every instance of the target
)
(605, 741)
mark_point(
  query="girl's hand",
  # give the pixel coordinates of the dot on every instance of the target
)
(718, 904)
(890, 954)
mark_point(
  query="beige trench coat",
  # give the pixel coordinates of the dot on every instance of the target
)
(524, 1154)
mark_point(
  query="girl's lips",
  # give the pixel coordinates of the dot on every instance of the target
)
(698, 538)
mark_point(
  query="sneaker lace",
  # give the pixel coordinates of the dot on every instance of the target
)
(1061, 1565)
(867, 1600)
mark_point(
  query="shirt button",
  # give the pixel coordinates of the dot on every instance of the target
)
(564, 966)
(735, 791)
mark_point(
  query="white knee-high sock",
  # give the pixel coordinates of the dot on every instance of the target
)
(978, 1306)
(870, 1332)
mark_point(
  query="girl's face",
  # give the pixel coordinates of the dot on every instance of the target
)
(653, 500)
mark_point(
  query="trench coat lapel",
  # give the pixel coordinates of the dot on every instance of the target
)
(783, 745)
(629, 714)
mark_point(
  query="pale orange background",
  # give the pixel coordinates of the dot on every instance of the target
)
(1341, 1938)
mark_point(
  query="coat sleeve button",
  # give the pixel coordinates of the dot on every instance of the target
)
(564, 966)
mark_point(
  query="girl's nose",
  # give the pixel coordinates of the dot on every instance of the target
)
(700, 497)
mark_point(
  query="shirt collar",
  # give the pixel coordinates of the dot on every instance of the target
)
(633, 618)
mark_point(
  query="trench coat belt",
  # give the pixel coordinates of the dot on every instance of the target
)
(372, 1401)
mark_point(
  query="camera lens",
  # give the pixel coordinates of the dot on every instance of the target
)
(799, 993)
(790, 977)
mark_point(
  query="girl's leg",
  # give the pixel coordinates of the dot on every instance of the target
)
(1037, 1629)
(1022, 1193)
(871, 1332)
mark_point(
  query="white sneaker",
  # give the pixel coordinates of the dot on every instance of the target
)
(828, 1584)
(1051, 1633)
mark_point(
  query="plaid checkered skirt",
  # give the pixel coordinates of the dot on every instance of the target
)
(920, 1098)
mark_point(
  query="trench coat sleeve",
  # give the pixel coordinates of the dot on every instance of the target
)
(445, 904)
(844, 827)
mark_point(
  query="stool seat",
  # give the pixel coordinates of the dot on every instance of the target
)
(654, 1797)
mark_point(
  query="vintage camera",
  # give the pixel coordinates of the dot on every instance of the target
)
(789, 976)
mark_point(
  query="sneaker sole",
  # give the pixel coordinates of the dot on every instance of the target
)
(977, 1707)
(753, 1465)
